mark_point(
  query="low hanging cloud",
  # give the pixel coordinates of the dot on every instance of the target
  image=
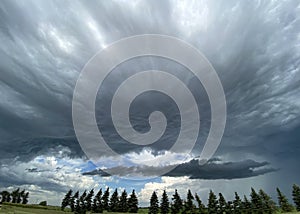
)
(212, 170)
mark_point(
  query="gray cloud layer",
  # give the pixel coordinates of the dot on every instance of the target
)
(253, 45)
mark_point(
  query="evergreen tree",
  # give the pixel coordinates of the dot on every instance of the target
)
(82, 207)
(268, 204)
(212, 203)
(97, 206)
(222, 204)
(164, 205)
(5, 196)
(114, 201)
(237, 204)
(246, 206)
(296, 196)
(283, 202)
(88, 200)
(123, 202)
(25, 198)
(66, 201)
(201, 206)
(15, 195)
(176, 206)
(256, 202)
(133, 203)
(153, 209)
(73, 201)
(189, 206)
(20, 195)
(105, 199)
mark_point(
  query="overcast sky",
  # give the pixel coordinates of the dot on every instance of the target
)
(253, 46)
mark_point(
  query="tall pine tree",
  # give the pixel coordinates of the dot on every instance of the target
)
(296, 196)
(164, 205)
(133, 204)
(201, 206)
(256, 202)
(237, 204)
(176, 206)
(222, 204)
(66, 201)
(97, 206)
(123, 202)
(88, 200)
(154, 207)
(73, 201)
(114, 201)
(267, 203)
(212, 203)
(283, 202)
(105, 199)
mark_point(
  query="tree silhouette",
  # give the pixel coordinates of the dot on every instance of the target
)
(73, 201)
(283, 202)
(66, 201)
(296, 196)
(176, 206)
(88, 200)
(123, 202)
(212, 203)
(189, 206)
(201, 206)
(97, 206)
(268, 204)
(133, 203)
(164, 205)
(153, 209)
(114, 201)
(222, 204)
(105, 199)
(237, 204)
(15, 195)
(256, 202)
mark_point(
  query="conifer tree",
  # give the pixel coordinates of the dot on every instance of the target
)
(105, 199)
(15, 195)
(20, 195)
(66, 201)
(88, 200)
(212, 203)
(189, 206)
(164, 205)
(73, 201)
(296, 196)
(268, 204)
(256, 202)
(97, 206)
(201, 206)
(222, 204)
(133, 204)
(176, 206)
(246, 206)
(237, 204)
(153, 209)
(82, 203)
(283, 202)
(114, 201)
(123, 202)
(25, 198)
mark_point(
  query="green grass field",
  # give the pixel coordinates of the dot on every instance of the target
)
(36, 209)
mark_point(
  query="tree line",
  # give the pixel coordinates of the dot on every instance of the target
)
(87, 201)
(16, 196)
(258, 203)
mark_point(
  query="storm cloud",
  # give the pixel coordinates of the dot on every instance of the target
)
(253, 46)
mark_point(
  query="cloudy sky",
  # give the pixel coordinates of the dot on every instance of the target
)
(253, 46)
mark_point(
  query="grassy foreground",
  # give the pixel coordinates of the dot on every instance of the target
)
(36, 209)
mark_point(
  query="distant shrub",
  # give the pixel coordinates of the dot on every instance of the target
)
(43, 203)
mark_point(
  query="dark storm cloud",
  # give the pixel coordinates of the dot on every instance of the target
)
(212, 170)
(253, 45)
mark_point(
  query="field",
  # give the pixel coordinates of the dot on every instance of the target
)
(35, 209)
